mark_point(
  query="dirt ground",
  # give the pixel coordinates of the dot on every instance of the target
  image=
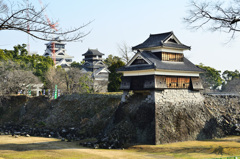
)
(38, 147)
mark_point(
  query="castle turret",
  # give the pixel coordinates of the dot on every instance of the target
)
(94, 64)
(92, 56)
(169, 82)
(160, 64)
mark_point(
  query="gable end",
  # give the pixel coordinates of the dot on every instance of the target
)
(138, 60)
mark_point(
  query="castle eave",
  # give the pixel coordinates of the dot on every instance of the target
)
(160, 72)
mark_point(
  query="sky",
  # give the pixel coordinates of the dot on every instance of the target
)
(131, 21)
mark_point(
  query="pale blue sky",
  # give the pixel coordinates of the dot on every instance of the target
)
(131, 21)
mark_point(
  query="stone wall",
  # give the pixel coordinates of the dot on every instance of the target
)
(179, 115)
(133, 121)
(178, 96)
(158, 117)
(100, 85)
(182, 115)
(225, 109)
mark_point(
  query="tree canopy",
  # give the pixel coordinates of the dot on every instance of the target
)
(17, 69)
(75, 64)
(211, 78)
(35, 63)
(231, 80)
(230, 75)
(114, 77)
(111, 59)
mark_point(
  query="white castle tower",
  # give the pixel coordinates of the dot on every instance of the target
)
(61, 58)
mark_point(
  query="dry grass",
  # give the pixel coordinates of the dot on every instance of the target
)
(49, 148)
(225, 147)
(37, 147)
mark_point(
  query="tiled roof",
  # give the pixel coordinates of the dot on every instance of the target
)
(93, 52)
(99, 70)
(186, 65)
(156, 40)
(93, 64)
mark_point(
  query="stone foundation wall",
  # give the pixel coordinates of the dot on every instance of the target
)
(226, 112)
(100, 85)
(182, 115)
(178, 96)
(179, 115)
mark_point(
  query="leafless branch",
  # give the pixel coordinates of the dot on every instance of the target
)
(33, 22)
(216, 16)
(125, 52)
(13, 78)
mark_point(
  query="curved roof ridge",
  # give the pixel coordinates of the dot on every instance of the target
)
(185, 65)
(157, 40)
(93, 52)
(170, 32)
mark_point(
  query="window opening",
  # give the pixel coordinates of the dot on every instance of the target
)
(178, 82)
(172, 57)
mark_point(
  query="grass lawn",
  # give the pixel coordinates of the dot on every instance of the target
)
(43, 148)
(217, 148)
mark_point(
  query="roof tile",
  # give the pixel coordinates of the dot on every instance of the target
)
(156, 40)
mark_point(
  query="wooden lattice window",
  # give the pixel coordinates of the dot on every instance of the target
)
(178, 82)
(172, 57)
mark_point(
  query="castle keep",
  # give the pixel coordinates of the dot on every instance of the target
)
(56, 50)
(93, 63)
(160, 70)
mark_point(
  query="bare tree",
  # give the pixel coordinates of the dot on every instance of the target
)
(217, 16)
(13, 78)
(77, 81)
(125, 52)
(56, 76)
(71, 81)
(27, 19)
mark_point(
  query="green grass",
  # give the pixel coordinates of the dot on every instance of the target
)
(46, 148)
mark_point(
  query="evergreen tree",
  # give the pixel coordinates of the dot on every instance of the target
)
(211, 78)
(35, 63)
(114, 77)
